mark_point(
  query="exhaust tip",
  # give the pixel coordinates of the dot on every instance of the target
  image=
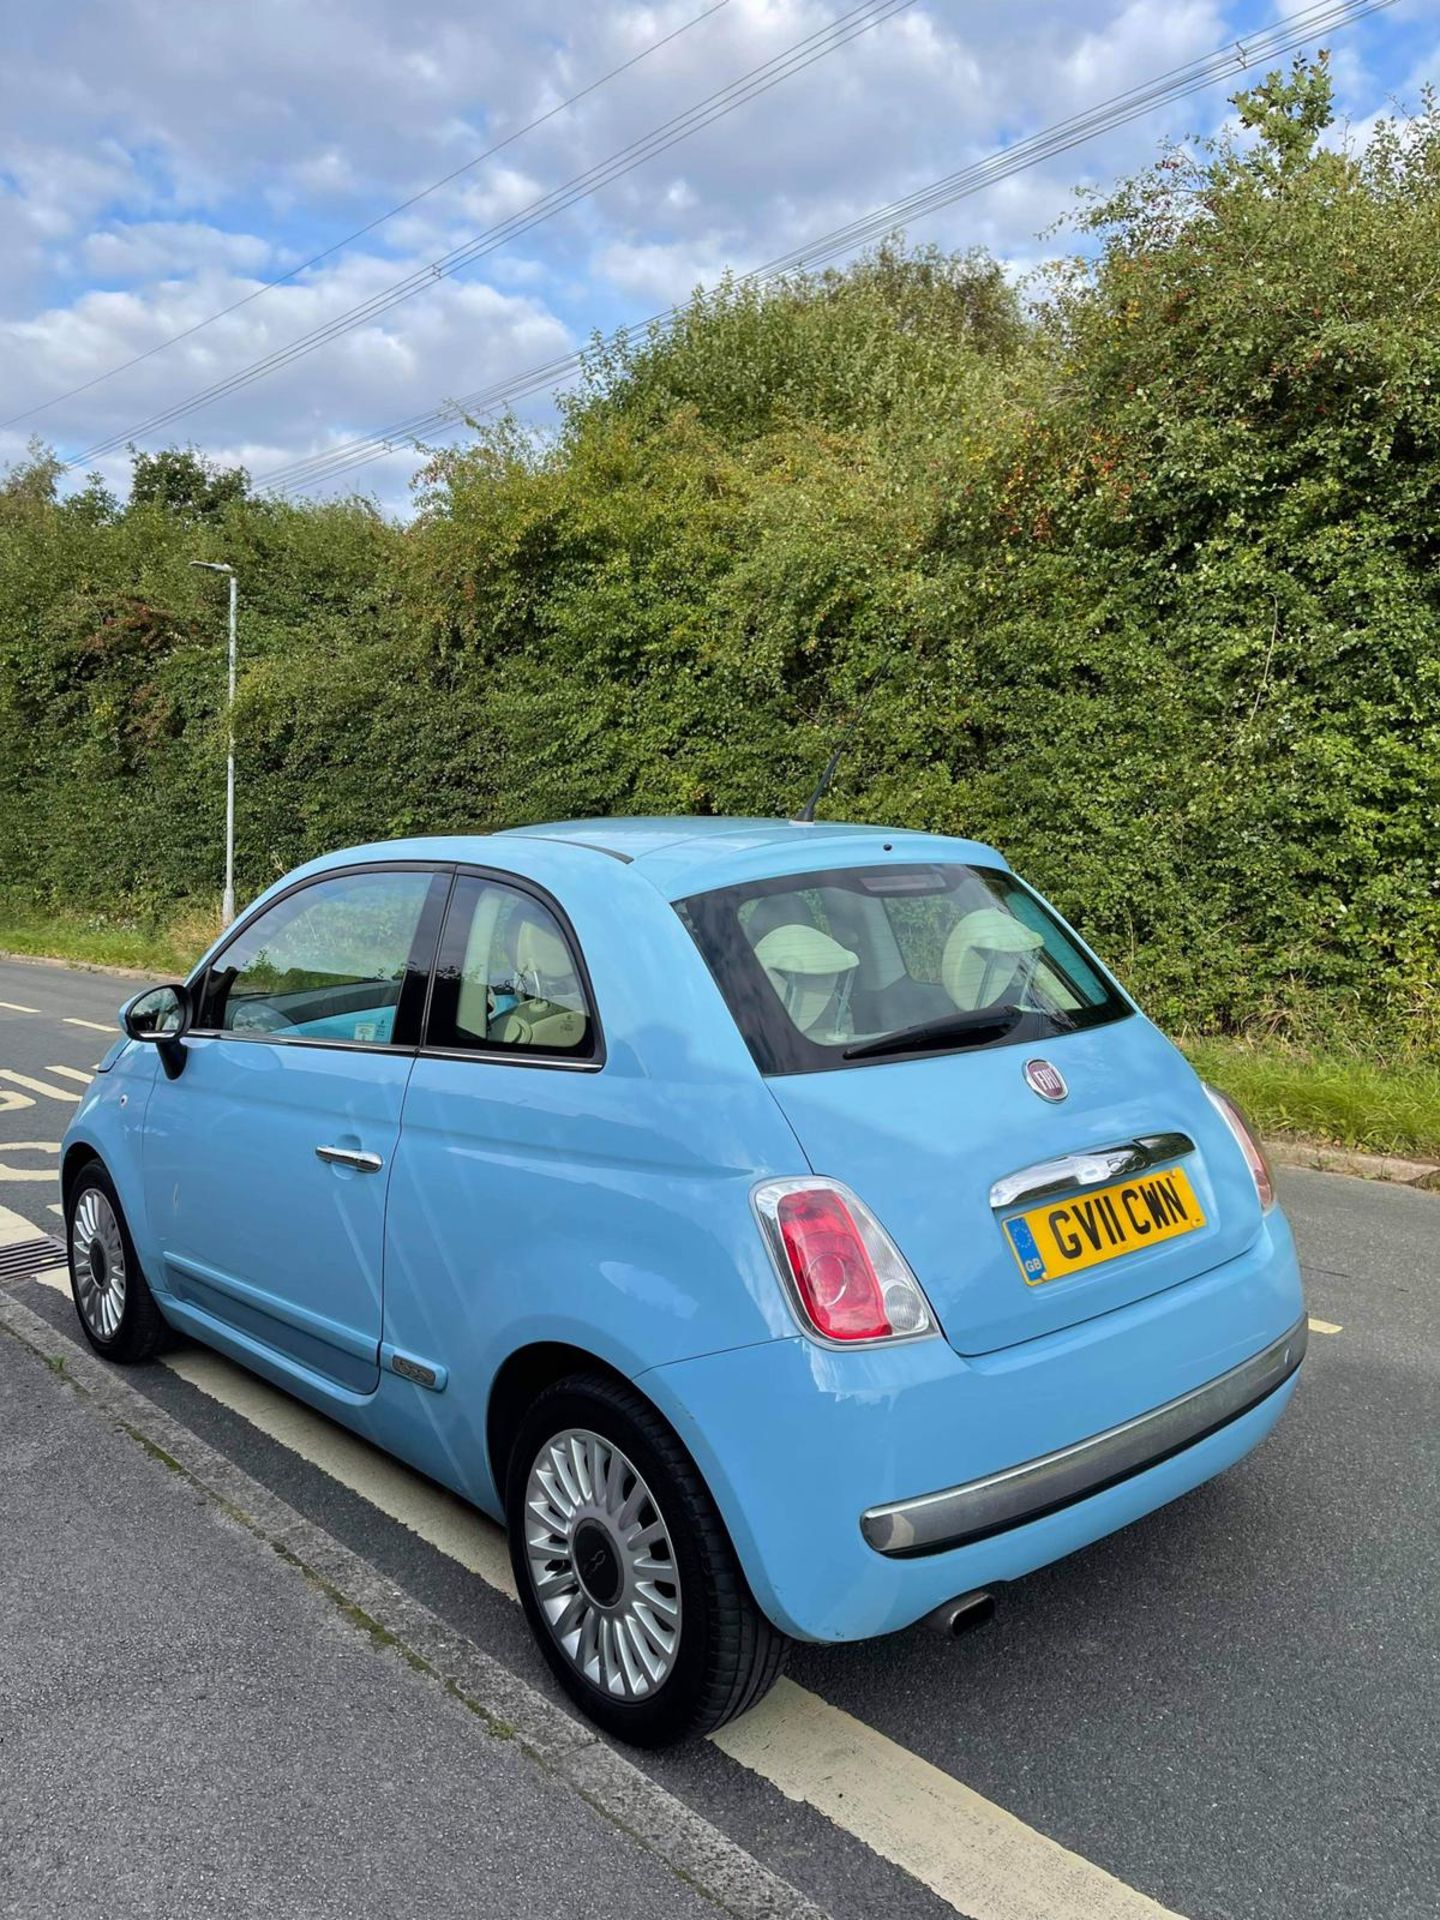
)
(956, 1617)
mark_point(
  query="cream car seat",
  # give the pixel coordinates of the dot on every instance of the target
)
(987, 957)
(811, 973)
(550, 1009)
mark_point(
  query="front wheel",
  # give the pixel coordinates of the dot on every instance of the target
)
(626, 1572)
(117, 1310)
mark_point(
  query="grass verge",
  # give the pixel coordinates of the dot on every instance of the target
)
(163, 948)
(1376, 1102)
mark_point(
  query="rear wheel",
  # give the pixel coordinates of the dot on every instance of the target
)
(626, 1572)
(117, 1310)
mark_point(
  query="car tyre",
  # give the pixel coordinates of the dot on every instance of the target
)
(626, 1572)
(117, 1310)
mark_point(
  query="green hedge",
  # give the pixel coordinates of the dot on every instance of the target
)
(1135, 573)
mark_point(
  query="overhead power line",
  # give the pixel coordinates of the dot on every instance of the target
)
(794, 59)
(1268, 44)
(370, 225)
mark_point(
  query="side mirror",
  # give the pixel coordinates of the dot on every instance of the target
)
(161, 1016)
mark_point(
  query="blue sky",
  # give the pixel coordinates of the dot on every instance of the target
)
(158, 164)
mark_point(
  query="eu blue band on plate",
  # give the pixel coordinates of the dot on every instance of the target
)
(1023, 1241)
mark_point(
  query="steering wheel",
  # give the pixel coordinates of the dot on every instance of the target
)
(257, 1017)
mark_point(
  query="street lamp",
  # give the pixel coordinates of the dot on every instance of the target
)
(227, 904)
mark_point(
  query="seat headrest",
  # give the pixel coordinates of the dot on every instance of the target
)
(541, 956)
(983, 954)
(774, 910)
(796, 949)
(805, 967)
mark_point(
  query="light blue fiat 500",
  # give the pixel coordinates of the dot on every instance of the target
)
(787, 1230)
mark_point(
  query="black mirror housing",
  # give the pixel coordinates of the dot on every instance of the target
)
(161, 1017)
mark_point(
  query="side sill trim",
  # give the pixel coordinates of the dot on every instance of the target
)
(958, 1516)
(318, 1326)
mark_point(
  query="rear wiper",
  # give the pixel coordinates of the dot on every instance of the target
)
(935, 1033)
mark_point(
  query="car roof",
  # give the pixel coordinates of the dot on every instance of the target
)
(682, 854)
(677, 854)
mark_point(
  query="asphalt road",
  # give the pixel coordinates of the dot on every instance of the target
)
(1229, 1707)
(187, 1728)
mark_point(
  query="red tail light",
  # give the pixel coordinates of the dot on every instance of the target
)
(837, 1281)
(847, 1276)
(1254, 1153)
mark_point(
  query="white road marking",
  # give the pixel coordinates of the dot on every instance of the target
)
(973, 1854)
(12, 1102)
(72, 1073)
(1324, 1326)
(447, 1523)
(8, 1172)
(967, 1850)
(15, 1229)
(11, 1007)
(32, 1085)
(55, 1208)
(95, 1026)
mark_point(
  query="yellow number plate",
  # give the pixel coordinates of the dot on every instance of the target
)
(1066, 1236)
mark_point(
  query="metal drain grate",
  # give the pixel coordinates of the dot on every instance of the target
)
(29, 1258)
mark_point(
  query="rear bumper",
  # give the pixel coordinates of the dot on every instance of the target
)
(797, 1441)
(978, 1509)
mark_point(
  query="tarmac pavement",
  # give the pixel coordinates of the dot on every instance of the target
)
(189, 1728)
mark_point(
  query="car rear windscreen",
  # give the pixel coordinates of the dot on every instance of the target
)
(861, 964)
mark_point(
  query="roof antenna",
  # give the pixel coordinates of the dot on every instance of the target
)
(806, 814)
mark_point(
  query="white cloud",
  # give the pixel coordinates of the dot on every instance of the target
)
(661, 274)
(157, 249)
(150, 177)
(460, 337)
(325, 174)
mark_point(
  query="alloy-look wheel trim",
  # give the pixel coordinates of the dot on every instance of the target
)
(97, 1260)
(602, 1564)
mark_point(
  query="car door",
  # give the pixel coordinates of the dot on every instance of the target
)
(267, 1158)
(504, 1119)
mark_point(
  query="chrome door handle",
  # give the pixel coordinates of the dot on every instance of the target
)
(350, 1157)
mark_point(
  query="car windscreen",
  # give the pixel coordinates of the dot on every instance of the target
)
(862, 964)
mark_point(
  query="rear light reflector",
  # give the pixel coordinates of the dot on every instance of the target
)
(844, 1273)
(838, 1284)
(1249, 1145)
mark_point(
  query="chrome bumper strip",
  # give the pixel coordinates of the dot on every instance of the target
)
(935, 1522)
(1089, 1169)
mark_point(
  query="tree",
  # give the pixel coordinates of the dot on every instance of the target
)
(185, 483)
(1289, 115)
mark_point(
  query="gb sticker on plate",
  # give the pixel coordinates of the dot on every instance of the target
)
(1026, 1251)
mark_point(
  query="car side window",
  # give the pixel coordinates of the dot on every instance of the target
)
(325, 963)
(508, 979)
